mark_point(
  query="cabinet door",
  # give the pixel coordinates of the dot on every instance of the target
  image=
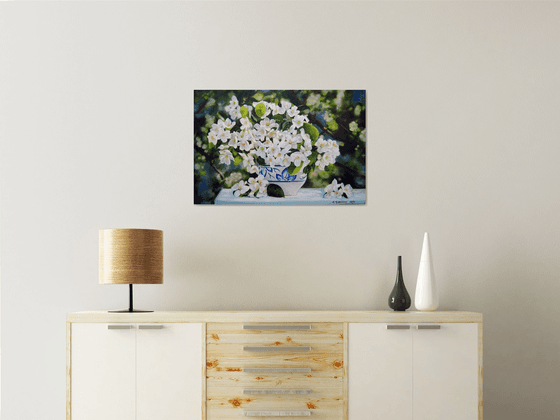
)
(169, 371)
(379, 372)
(446, 372)
(103, 372)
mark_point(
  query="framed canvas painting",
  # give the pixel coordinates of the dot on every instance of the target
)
(280, 147)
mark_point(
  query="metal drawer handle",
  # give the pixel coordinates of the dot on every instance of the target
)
(398, 327)
(429, 327)
(278, 413)
(276, 391)
(119, 327)
(277, 370)
(288, 348)
(150, 327)
(276, 327)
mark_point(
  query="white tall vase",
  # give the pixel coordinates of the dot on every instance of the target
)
(426, 298)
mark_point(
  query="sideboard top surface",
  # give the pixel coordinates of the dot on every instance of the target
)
(275, 316)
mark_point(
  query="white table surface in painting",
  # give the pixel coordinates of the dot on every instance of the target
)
(305, 196)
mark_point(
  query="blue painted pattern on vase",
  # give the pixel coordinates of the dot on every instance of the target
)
(280, 176)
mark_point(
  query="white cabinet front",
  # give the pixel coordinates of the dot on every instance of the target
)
(445, 372)
(169, 372)
(379, 372)
(413, 371)
(136, 371)
(103, 366)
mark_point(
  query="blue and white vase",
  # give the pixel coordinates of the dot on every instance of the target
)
(279, 175)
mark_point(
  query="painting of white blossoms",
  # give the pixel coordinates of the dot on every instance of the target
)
(280, 147)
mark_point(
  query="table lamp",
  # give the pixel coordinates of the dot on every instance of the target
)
(130, 256)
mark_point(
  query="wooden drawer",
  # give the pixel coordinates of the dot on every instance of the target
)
(245, 377)
(232, 403)
(230, 349)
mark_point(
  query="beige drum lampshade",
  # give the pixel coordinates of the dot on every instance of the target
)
(130, 256)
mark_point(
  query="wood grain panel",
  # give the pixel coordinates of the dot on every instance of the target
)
(315, 379)
(266, 317)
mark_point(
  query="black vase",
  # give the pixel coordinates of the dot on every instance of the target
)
(399, 299)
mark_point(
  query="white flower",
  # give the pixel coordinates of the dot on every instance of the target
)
(347, 189)
(269, 160)
(245, 144)
(285, 104)
(229, 124)
(234, 102)
(259, 130)
(298, 121)
(321, 145)
(293, 111)
(269, 124)
(246, 124)
(226, 157)
(363, 135)
(353, 126)
(253, 169)
(278, 110)
(234, 141)
(247, 160)
(212, 137)
(332, 188)
(299, 158)
(254, 183)
(240, 188)
(261, 149)
(305, 137)
(224, 135)
(261, 191)
(285, 161)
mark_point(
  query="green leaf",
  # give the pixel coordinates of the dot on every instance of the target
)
(311, 130)
(260, 110)
(258, 96)
(333, 125)
(244, 111)
(260, 161)
(291, 168)
(274, 190)
(307, 169)
(295, 170)
(238, 160)
(279, 118)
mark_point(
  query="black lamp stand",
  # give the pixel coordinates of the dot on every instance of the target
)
(130, 304)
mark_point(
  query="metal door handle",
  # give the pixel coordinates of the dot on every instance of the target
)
(288, 348)
(276, 391)
(429, 327)
(277, 413)
(119, 327)
(276, 327)
(150, 327)
(398, 327)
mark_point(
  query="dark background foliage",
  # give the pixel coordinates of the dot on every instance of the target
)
(337, 114)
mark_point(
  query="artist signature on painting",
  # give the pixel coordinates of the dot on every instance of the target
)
(343, 202)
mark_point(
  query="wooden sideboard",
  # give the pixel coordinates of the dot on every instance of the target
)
(222, 365)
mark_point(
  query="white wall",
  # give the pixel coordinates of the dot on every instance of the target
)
(463, 142)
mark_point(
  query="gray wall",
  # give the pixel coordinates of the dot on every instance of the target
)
(463, 142)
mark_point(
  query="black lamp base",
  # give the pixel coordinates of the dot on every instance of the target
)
(131, 307)
(128, 311)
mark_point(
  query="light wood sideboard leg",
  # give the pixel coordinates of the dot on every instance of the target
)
(480, 372)
(204, 371)
(345, 365)
(68, 371)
